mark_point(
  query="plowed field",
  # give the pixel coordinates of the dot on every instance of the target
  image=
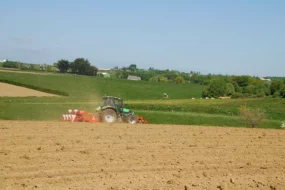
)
(8, 90)
(53, 155)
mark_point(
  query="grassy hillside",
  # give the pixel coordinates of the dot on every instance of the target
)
(84, 87)
(144, 98)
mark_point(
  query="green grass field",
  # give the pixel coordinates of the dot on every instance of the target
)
(85, 87)
(145, 98)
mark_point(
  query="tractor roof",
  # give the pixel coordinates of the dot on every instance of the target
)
(113, 97)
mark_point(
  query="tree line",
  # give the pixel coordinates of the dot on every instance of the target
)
(244, 87)
(27, 66)
(79, 66)
(215, 85)
(154, 75)
(12, 64)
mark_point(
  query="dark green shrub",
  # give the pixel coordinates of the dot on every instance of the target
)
(252, 117)
(237, 95)
(247, 95)
(9, 64)
(260, 95)
(282, 93)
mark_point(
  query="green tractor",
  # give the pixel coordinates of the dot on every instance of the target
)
(112, 110)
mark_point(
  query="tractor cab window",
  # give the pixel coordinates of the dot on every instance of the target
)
(107, 102)
(117, 104)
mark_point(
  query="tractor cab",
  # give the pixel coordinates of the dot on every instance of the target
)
(114, 102)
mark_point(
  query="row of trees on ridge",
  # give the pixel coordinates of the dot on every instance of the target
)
(78, 66)
(244, 87)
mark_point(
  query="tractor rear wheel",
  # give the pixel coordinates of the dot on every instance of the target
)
(132, 119)
(108, 116)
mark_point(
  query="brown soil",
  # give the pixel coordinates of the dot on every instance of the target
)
(9, 90)
(53, 155)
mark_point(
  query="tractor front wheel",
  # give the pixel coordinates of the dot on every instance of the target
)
(132, 119)
(108, 116)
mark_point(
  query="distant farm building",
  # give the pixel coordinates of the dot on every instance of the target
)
(104, 69)
(265, 79)
(3, 61)
(131, 77)
(104, 74)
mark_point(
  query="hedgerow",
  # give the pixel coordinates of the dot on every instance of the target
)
(185, 108)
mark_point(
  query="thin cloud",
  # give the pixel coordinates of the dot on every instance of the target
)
(24, 40)
(31, 51)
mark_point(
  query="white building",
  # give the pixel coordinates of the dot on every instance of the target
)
(3, 61)
(130, 77)
(104, 69)
(264, 79)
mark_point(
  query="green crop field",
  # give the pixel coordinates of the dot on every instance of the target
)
(145, 98)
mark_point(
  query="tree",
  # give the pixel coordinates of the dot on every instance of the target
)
(179, 80)
(237, 87)
(91, 71)
(122, 74)
(32, 67)
(282, 92)
(163, 79)
(230, 89)
(18, 65)
(276, 85)
(80, 66)
(205, 92)
(242, 81)
(159, 78)
(155, 78)
(83, 67)
(237, 95)
(62, 65)
(260, 94)
(201, 79)
(216, 89)
(250, 89)
(49, 68)
(171, 75)
(133, 67)
(186, 76)
(145, 75)
(10, 64)
(276, 94)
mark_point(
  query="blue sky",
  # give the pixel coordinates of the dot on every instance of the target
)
(221, 36)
